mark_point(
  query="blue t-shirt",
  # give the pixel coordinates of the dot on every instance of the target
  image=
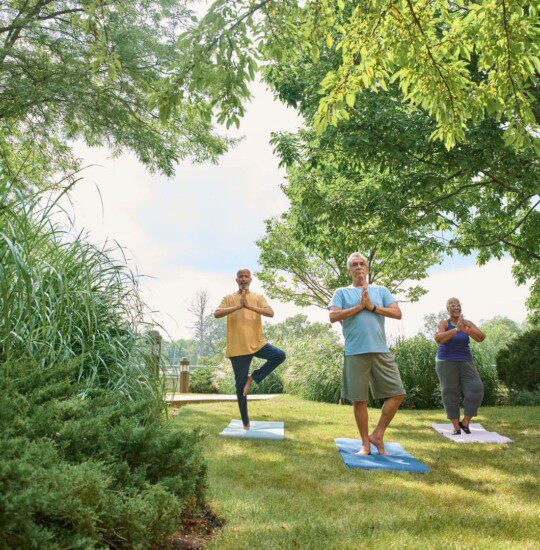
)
(363, 332)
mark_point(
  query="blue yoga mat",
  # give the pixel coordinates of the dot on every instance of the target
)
(398, 459)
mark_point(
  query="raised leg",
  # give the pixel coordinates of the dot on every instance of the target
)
(274, 357)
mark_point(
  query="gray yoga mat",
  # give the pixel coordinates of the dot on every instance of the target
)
(258, 430)
(477, 435)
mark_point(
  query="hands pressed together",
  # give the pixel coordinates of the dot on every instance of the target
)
(365, 300)
(462, 324)
(244, 302)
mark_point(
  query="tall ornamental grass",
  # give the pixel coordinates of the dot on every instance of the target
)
(314, 371)
(86, 460)
(62, 297)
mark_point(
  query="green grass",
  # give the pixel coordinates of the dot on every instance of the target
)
(276, 494)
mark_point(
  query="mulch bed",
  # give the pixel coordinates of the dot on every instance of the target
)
(197, 531)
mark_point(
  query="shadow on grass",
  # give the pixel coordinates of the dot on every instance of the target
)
(302, 480)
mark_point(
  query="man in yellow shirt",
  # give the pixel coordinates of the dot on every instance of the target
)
(245, 338)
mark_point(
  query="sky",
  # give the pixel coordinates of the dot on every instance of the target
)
(194, 230)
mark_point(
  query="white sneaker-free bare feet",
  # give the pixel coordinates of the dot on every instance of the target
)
(247, 426)
(378, 442)
(364, 451)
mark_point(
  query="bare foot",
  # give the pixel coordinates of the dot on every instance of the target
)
(247, 426)
(248, 384)
(364, 451)
(378, 442)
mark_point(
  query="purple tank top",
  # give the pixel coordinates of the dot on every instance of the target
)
(455, 349)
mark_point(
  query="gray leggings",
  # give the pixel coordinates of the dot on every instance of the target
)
(455, 377)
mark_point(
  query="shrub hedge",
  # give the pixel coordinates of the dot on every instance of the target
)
(518, 364)
(89, 472)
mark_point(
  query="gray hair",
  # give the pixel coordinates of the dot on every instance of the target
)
(356, 255)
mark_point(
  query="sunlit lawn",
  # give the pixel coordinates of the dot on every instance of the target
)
(276, 494)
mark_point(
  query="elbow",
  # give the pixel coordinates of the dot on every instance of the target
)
(216, 314)
(399, 316)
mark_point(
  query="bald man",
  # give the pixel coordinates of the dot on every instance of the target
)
(243, 310)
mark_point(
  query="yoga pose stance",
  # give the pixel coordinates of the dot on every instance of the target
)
(245, 338)
(455, 367)
(368, 362)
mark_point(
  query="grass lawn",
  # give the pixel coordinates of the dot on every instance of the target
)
(297, 492)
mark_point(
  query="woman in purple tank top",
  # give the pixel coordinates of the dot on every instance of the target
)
(455, 367)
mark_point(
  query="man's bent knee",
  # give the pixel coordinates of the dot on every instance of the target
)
(397, 398)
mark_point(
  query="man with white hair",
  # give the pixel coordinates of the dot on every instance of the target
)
(243, 310)
(361, 308)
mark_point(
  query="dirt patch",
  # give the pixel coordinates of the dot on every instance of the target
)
(197, 531)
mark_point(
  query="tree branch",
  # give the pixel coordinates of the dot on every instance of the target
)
(430, 54)
(22, 23)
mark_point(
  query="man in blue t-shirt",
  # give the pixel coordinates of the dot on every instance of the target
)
(361, 308)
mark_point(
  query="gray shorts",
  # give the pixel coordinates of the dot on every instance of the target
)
(376, 370)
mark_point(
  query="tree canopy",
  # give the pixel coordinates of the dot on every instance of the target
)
(89, 70)
(459, 62)
(303, 253)
(380, 164)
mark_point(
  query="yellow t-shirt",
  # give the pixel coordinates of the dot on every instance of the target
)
(244, 327)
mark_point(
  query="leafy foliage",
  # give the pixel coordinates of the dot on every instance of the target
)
(62, 298)
(88, 70)
(416, 360)
(518, 364)
(458, 63)
(479, 196)
(499, 331)
(431, 323)
(524, 398)
(448, 74)
(315, 367)
(202, 380)
(303, 254)
(89, 472)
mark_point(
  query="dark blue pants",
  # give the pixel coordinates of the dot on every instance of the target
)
(241, 363)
